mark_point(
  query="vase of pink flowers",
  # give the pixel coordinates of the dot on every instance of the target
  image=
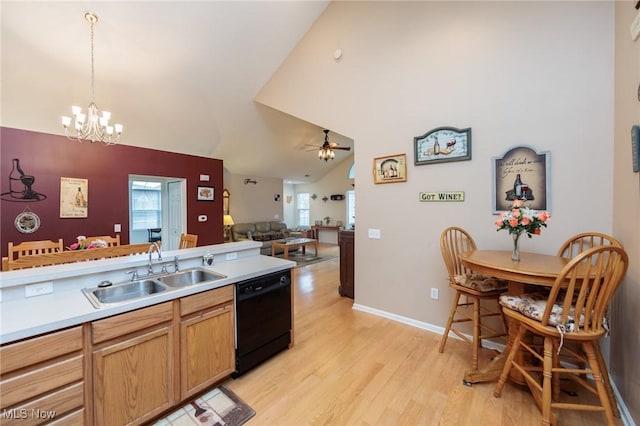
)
(519, 220)
(83, 244)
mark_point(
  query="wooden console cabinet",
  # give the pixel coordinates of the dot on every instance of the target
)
(346, 241)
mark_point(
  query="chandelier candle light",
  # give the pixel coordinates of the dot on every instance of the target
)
(92, 126)
(521, 219)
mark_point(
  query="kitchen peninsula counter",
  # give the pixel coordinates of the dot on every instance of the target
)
(23, 317)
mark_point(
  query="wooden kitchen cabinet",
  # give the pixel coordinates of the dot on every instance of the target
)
(346, 242)
(134, 365)
(207, 346)
(42, 379)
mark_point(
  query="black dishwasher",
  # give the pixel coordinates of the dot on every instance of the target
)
(263, 319)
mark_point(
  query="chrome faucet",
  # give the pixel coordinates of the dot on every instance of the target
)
(151, 246)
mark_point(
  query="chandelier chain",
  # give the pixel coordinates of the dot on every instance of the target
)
(93, 97)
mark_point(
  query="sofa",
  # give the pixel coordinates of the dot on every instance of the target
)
(264, 232)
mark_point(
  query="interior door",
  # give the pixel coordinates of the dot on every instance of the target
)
(169, 213)
(176, 219)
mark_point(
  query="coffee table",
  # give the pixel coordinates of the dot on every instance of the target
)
(293, 243)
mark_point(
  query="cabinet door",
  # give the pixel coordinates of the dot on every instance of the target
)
(133, 378)
(207, 349)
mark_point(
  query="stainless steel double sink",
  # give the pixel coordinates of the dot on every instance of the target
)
(107, 294)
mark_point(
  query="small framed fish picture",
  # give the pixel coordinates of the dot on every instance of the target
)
(441, 145)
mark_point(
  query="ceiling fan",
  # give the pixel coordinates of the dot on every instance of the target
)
(326, 151)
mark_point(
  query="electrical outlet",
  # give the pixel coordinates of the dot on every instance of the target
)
(374, 233)
(38, 289)
(232, 256)
(435, 293)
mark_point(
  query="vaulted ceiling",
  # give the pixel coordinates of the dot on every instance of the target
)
(180, 76)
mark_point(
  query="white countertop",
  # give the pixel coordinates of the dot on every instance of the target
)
(26, 317)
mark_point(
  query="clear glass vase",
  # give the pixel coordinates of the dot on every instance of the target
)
(516, 247)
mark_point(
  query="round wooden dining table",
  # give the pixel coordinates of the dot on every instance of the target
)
(533, 269)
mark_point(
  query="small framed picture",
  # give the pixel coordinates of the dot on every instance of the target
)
(390, 169)
(442, 145)
(205, 193)
(521, 173)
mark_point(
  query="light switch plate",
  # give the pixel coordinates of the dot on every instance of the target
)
(435, 293)
(374, 233)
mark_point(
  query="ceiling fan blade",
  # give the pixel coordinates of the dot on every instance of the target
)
(342, 148)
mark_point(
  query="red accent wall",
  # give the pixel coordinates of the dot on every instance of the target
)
(107, 168)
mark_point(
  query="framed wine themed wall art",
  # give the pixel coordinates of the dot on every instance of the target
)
(389, 169)
(74, 197)
(521, 173)
(441, 145)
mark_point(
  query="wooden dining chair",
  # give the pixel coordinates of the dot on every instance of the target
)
(28, 248)
(581, 242)
(188, 241)
(111, 241)
(572, 313)
(475, 288)
(31, 248)
(569, 249)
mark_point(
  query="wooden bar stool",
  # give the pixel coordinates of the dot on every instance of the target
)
(475, 287)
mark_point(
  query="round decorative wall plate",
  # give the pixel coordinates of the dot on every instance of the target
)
(27, 222)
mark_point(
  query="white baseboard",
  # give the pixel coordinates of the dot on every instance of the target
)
(626, 418)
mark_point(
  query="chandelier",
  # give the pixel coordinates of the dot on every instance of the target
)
(92, 126)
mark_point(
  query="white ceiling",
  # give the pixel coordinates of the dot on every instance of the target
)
(180, 76)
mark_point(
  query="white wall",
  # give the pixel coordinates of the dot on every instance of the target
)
(534, 73)
(625, 334)
(254, 202)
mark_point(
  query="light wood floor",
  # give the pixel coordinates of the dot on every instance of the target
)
(354, 368)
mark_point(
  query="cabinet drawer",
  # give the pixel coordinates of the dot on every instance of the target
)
(200, 301)
(122, 324)
(50, 407)
(22, 354)
(72, 419)
(38, 381)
